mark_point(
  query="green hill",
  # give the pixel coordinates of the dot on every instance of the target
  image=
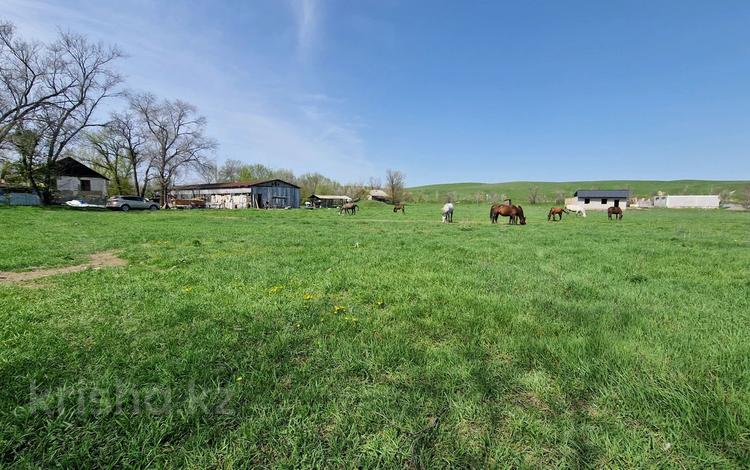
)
(519, 190)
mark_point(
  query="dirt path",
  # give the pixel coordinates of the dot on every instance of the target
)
(97, 260)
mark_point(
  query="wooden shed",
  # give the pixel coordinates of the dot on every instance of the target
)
(327, 201)
(262, 194)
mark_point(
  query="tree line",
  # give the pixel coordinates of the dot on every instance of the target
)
(52, 100)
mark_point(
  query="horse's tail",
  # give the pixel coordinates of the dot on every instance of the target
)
(549, 214)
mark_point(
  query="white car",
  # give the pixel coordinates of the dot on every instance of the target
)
(126, 203)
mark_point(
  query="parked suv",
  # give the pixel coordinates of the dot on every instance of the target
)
(125, 203)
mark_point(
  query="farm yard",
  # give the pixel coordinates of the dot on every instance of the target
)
(306, 338)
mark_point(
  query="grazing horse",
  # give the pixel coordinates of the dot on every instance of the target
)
(514, 213)
(349, 208)
(556, 211)
(399, 207)
(448, 213)
(616, 211)
(577, 209)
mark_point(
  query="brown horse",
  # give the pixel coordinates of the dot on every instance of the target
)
(514, 213)
(399, 207)
(349, 208)
(616, 211)
(556, 211)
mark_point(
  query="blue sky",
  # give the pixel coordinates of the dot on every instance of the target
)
(445, 91)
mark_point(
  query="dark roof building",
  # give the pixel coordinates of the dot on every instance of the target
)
(603, 193)
(72, 167)
(261, 194)
(600, 199)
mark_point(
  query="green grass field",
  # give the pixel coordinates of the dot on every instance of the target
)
(307, 339)
(519, 190)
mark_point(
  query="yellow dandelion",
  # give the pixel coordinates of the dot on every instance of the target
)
(339, 309)
(275, 289)
(308, 296)
(187, 289)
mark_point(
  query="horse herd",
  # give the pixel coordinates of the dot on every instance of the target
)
(513, 212)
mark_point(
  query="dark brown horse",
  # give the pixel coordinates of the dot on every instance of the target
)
(616, 211)
(556, 211)
(515, 213)
(349, 208)
(399, 207)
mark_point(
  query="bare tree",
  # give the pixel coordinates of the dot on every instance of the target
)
(559, 197)
(533, 194)
(32, 76)
(176, 139)
(230, 170)
(132, 134)
(108, 156)
(85, 78)
(374, 183)
(394, 181)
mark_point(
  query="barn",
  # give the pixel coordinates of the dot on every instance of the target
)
(262, 194)
(599, 199)
(698, 201)
(74, 180)
(326, 201)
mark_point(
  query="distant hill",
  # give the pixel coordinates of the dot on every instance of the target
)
(519, 190)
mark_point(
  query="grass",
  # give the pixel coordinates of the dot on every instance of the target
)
(307, 339)
(519, 190)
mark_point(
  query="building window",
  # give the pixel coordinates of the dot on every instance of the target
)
(586, 201)
(85, 185)
(604, 201)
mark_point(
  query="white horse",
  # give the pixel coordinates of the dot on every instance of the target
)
(448, 213)
(577, 209)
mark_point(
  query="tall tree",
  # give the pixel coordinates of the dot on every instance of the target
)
(394, 182)
(132, 134)
(88, 67)
(108, 156)
(32, 76)
(176, 136)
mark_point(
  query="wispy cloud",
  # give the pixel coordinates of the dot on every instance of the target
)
(307, 17)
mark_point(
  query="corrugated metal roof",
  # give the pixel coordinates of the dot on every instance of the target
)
(322, 196)
(231, 185)
(603, 193)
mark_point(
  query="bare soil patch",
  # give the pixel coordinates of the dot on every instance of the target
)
(97, 260)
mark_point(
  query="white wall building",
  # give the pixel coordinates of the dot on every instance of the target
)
(74, 180)
(698, 201)
(599, 199)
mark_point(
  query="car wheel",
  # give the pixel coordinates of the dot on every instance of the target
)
(124, 207)
(153, 208)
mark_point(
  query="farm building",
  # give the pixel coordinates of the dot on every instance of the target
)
(704, 201)
(378, 195)
(599, 199)
(74, 180)
(320, 200)
(274, 193)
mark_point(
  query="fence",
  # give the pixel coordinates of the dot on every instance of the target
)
(19, 199)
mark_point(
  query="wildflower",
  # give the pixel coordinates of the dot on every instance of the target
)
(187, 289)
(275, 289)
(308, 296)
(339, 309)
